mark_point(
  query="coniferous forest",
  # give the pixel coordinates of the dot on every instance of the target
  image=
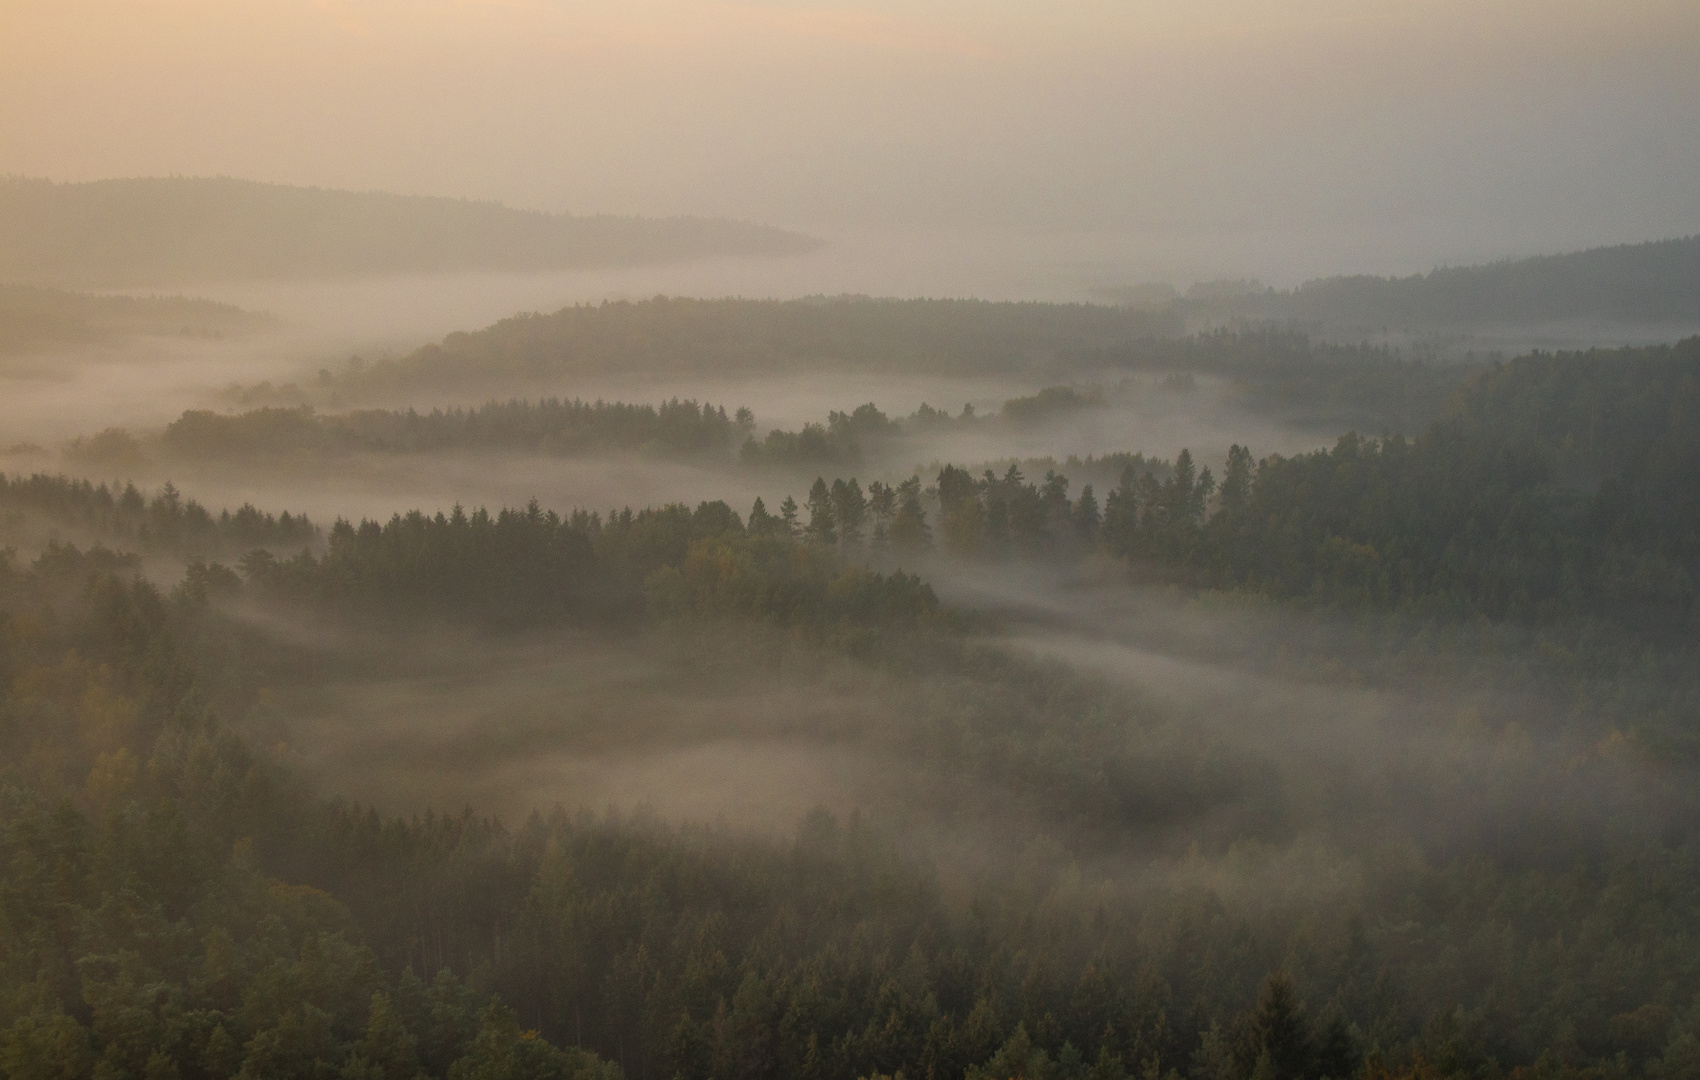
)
(835, 688)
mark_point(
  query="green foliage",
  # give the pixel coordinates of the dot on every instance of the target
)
(1317, 385)
(811, 444)
(174, 903)
(1649, 282)
(1558, 486)
(140, 934)
(530, 567)
(547, 426)
(676, 334)
(38, 320)
(1658, 281)
(1051, 402)
(779, 581)
(165, 523)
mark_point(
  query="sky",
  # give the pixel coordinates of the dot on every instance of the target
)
(1417, 129)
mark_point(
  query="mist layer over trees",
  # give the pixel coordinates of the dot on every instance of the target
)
(1071, 733)
(40, 320)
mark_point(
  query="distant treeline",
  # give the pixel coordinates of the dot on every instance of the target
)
(1559, 485)
(39, 319)
(549, 426)
(546, 426)
(1313, 383)
(1556, 485)
(178, 229)
(1274, 370)
(679, 335)
(530, 567)
(839, 441)
(1651, 282)
(165, 522)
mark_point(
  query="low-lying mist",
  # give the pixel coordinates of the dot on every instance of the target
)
(1195, 759)
(1143, 415)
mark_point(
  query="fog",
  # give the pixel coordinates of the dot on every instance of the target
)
(1223, 137)
(932, 763)
(1288, 782)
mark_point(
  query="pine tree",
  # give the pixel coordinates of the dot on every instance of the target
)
(850, 507)
(909, 525)
(761, 522)
(1086, 518)
(1236, 480)
(1277, 1041)
(823, 525)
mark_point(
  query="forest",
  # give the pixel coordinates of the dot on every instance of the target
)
(180, 901)
(548, 426)
(37, 320)
(681, 335)
(1653, 282)
(178, 904)
(1217, 686)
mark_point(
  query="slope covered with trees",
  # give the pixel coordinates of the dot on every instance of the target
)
(1558, 485)
(1062, 879)
(163, 523)
(176, 905)
(677, 335)
(546, 426)
(36, 319)
(142, 931)
(1658, 281)
(1630, 283)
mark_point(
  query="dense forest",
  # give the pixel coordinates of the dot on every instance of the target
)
(1557, 485)
(1550, 514)
(555, 427)
(1553, 485)
(1640, 283)
(177, 904)
(35, 320)
(165, 522)
(1449, 831)
(1299, 378)
(680, 335)
(182, 229)
(546, 426)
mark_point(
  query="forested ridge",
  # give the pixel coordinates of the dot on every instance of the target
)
(545, 426)
(177, 902)
(34, 320)
(678, 334)
(1654, 281)
(149, 930)
(164, 522)
(1555, 485)
(1657, 281)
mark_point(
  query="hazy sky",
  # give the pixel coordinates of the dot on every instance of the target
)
(1492, 126)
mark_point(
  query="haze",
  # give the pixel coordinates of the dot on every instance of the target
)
(1232, 136)
(924, 540)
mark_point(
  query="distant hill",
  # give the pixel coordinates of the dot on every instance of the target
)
(162, 231)
(34, 319)
(1631, 282)
(847, 333)
(1652, 282)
